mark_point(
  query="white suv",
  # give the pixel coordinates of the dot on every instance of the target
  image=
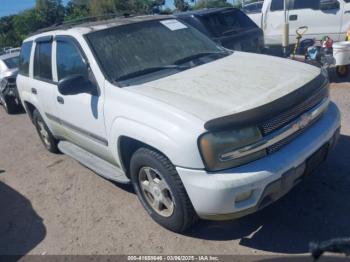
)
(199, 131)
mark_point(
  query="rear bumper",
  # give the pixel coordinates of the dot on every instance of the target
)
(244, 190)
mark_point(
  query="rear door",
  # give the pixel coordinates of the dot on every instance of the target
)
(42, 86)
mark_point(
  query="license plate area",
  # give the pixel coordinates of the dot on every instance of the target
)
(313, 162)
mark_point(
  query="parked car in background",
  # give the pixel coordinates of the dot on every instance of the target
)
(229, 27)
(322, 17)
(8, 72)
(13, 50)
(197, 129)
(253, 7)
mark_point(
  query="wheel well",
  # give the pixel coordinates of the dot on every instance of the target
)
(30, 109)
(127, 147)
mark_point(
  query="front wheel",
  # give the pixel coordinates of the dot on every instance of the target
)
(44, 133)
(160, 190)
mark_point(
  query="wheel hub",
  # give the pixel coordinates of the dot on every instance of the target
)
(156, 191)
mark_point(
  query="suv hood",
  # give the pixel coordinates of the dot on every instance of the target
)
(227, 86)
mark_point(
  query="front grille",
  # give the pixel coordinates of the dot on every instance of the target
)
(283, 119)
(287, 140)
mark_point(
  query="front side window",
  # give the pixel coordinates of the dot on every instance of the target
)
(12, 62)
(69, 60)
(24, 58)
(42, 61)
(154, 48)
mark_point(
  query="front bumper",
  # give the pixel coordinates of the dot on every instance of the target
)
(243, 190)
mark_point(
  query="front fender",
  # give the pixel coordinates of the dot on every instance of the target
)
(182, 150)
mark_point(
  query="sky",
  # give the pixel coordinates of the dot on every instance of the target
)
(10, 7)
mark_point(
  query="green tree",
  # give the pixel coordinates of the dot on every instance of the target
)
(181, 5)
(25, 23)
(76, 9)
(211, 4)
(49, 12)
(7, 33)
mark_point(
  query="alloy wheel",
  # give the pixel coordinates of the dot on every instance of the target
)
(156, 191)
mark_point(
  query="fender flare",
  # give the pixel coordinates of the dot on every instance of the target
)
(124, 127)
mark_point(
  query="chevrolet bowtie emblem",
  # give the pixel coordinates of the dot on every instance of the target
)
(304, 121)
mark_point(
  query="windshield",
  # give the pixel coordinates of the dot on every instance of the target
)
(139, 49)
(12, 62)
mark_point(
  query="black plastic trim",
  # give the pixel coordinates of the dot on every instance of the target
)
(255, 116)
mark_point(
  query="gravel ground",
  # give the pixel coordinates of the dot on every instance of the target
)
(50, 204)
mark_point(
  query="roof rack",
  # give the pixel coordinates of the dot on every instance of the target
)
(90, 19)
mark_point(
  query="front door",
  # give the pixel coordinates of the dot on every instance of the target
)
(80, 114)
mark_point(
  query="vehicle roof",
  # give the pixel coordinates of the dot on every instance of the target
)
(11, 55)
(87, 27)
(208, 11)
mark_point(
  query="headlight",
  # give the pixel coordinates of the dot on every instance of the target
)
(215, 148)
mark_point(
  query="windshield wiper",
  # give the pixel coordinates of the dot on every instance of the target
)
(151, 70)
(199, 55)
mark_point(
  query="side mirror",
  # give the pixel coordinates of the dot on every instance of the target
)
(329, 4)
(76, 84)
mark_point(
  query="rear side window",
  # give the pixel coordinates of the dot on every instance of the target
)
(69, 60)
(309, 4)
(42, 61)
(24, 58)
(226, 23)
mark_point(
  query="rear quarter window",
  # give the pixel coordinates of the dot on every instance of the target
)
(24, 58)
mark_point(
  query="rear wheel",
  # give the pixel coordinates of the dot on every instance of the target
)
(160, 190)
(44, 133)
(9, 104)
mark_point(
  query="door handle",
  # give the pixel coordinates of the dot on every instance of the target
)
(34, 91)
(293, 17)
(60, 100)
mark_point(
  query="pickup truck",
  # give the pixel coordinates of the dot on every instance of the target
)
(198, 130)
(322, 17)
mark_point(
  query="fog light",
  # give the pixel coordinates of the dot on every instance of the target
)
(244, 196)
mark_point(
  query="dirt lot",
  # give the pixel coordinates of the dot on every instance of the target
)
(50, 204)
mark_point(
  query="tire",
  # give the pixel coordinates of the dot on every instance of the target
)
(342, 71)
(183, 215)
(45, 135)
(9, 104)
